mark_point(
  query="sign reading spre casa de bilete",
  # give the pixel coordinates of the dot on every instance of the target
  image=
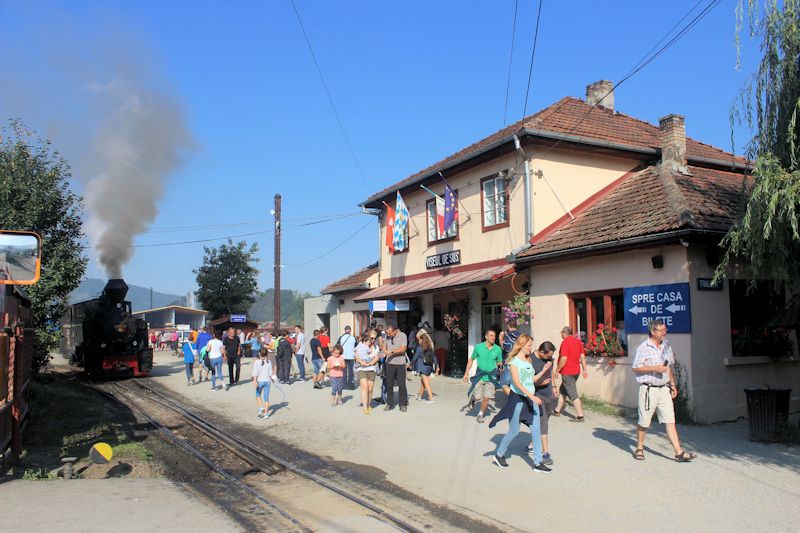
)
(239, 318)
(669, 302)
(389, 305)
(443, 259)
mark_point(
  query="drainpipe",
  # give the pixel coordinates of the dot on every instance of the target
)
(528, 210)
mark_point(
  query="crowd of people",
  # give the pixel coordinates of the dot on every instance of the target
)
(509, 362)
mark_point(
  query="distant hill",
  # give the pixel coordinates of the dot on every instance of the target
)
(138, 296)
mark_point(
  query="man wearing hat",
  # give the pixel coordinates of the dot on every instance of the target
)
(348, 343)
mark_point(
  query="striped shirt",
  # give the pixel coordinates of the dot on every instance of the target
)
(647, 354)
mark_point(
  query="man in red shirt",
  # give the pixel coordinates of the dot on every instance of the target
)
(570, 362)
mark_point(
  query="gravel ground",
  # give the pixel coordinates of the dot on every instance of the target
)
(440, 453)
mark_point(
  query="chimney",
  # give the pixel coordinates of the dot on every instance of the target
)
(672, 134)
(595, 92)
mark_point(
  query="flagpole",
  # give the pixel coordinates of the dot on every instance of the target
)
(457, 199)
(430, 191)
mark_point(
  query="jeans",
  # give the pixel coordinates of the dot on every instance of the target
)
(189, 371)
(317, 365)
(349, 375)
(262, 389)
(513, 430)
(396, 375)
(234, 362)
(284, 367)
(216, 372)
(301, 365)
(337, 384)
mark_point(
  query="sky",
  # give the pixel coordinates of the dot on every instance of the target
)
(412, 81)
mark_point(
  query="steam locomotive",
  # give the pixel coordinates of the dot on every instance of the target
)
(103, 337)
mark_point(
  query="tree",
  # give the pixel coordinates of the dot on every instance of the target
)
(227, 279)
(766, 237)
(292, 304)
(35, 196)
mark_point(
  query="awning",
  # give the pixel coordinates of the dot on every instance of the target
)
(440, 282)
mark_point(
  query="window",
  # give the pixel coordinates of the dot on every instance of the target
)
(588, 310)
(360, 322)
(494, 206)
(433, 225)
(755, 316)
(492, 316)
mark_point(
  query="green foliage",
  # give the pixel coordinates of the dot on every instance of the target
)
(39, 474)
(292, 305)
(35, 196)
(682, 402)
(227, 279)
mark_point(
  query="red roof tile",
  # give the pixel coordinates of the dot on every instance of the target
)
(353, 282)
(566, 117)
(648, 203)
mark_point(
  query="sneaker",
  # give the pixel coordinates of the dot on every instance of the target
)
(428, 401)
(480, 419)
(529, 449)
(546, 459)
(214, 389)
(542, 469)
(188, 383)
(500, 461)
(266, 415)
(260, 413)
(388, 407)
(403, 408)
(418, 397)
(577, 419)
(227, 387)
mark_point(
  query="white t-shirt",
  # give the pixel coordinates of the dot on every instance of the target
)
(300, 342)
(262, 370)
(214, 349)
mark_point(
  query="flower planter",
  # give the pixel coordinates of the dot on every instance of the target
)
(767, 410)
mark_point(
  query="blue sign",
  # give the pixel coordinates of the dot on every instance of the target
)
(238, 318)
(389, 305)
(670, 303)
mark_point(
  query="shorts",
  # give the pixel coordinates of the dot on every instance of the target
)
(262, 389)
(483, 389)
(548, 404)
(337, 385)
(317, 363)
(425, 370)
(660, 402)
(569, 387)
(369, 375)
(505, 377)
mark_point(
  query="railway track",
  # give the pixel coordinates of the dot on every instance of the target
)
(259, 475)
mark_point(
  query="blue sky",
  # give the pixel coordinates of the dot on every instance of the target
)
(413, 82)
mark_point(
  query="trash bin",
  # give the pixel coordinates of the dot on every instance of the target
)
(767, 409)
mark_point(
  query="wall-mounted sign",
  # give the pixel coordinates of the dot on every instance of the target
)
(670, 303)
(238, 318)
(705, 284)
(444, 259)
(389, 305)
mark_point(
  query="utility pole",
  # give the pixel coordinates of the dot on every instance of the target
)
(277, 295)
(151, 297)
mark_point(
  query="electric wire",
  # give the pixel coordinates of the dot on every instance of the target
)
(255, 223)
(533, 53)
(510, 62)
(352, 236)
(327, 92)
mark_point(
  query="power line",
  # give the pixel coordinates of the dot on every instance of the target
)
(318, 220)
(332, 249)
(510, 62)
(330, 98)
(533, 53)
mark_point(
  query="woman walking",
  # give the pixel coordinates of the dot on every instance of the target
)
(214, 348)
(263, 374)
(424, 358)
(522, 406)
(367, 357)
(542, 362)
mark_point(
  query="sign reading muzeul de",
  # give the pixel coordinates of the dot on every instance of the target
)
(443, 259)
(670, 303)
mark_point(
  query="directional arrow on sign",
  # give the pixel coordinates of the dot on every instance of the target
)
(675, 307)
(636, 310)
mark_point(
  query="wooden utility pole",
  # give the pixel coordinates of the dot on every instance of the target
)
(277, 295)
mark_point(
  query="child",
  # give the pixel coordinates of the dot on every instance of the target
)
(336, 373)
(189, 356)
(263, 374)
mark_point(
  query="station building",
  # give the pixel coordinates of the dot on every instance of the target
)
(173, 316)
(600, 218)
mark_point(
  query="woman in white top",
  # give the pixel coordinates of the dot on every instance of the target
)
(214, 350)
(263, 374)
(367, 356)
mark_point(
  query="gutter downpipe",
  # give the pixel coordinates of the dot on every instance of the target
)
(528, 213)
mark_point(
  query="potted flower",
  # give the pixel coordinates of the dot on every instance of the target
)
(453, 325)
(519, 309)
(605, 343)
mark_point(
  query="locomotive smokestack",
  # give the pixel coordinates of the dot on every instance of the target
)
(115, 290)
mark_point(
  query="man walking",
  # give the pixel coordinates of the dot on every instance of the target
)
(231, 344)
(488, 356)
(284, 354)
(348, 343)
(657, 388)
(317, 358)
(570, 362)
(395, 367)
(300, 352)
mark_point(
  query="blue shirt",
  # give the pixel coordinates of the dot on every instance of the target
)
(188, 354)
(202, 340)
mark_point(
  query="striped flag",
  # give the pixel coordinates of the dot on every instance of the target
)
(400, 224)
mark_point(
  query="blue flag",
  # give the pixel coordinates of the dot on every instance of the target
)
(400, 225)
(450, 206)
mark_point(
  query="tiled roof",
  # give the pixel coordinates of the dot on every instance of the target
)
(355, 281)
(565, 117)
(649, 203)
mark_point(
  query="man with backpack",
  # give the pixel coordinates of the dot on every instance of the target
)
(348, 344)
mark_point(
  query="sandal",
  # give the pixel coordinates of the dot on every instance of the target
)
(685, 457)
(556, 413)
(577, 419)
(638, 454)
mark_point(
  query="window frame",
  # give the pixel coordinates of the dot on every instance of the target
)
(506, 194)
(608, 312)
(427, 223)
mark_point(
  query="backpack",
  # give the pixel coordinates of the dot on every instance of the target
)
(509, 340)
(427, 357)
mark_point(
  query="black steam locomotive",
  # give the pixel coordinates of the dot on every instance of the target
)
(103, 337)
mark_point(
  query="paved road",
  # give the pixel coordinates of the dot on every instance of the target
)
(441, 453)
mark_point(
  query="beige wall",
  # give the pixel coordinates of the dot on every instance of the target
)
(550, 283)
(574, 176)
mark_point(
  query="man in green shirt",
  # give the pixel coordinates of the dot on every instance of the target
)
(489, 356)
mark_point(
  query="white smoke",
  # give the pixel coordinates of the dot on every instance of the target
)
(137, 147)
